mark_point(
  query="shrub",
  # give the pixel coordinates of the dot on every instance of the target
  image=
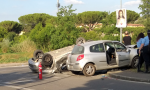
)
(11, 36)
(25, 46)
(5, 45)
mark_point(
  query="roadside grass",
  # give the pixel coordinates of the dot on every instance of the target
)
(22, 57)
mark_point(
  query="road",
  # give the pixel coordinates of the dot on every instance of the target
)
(21, 78)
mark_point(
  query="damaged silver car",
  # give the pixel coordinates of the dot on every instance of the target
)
(100, 55)
(53, 61)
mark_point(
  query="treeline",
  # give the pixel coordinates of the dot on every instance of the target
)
(46, 32)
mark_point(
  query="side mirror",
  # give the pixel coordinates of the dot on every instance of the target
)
(128, 50)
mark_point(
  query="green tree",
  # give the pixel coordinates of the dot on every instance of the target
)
(140, 20)
(145, 7)
(66, 11)
(90, 18)
(62, 32)
(3, 33)
(11, 36)
(11, 26)
(31, 20)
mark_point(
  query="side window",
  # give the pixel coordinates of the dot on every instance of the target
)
(109, 45)
(97, 48)
(120, 48)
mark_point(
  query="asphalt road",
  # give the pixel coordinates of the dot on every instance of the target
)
(21, 78)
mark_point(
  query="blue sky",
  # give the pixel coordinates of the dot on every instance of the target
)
(12, 9)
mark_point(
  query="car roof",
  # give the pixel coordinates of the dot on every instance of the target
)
(96, 42)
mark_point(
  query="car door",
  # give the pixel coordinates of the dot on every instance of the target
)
(122, 56)
(98, 56)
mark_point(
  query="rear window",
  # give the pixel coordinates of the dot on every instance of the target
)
(78, 50)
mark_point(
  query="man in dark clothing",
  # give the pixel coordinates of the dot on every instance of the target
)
(127, 39)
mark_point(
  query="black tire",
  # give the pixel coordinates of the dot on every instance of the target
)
(135, 62)
(92, 69)
(37, 54)
(89, 40)
(80, 40)
(75, 72)
(47, 59)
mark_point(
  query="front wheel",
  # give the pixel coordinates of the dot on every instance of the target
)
(135, 62)
(89, 69)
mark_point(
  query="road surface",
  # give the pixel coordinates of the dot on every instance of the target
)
(21, 78)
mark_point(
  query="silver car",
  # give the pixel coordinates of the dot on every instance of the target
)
(99, 55)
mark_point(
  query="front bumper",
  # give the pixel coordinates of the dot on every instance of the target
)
(33, 65)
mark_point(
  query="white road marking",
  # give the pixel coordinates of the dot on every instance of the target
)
(18, 81)
(15, 87)
(15, 66)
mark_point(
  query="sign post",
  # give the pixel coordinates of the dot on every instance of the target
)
(121, 27)
(121, 19)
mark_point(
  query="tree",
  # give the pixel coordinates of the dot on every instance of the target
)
(132, 16)
(3, 33)
(11, 26)
(145, 7)
(66, 11)
(90, 18)
(31, 20)
(140, 20)
(62, 32)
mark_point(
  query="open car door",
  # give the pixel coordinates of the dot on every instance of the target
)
(122, 56)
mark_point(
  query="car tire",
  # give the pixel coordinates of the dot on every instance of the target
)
(80, 40)
(89, 40)
(91, 69)
(47, 59)
(37, 54)
(75, 72)
(134, 62)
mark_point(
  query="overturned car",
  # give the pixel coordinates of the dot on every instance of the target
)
(54, 61)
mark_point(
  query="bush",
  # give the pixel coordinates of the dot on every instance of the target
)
(11, 36)
(91, 35)
(5, 46)
(25, 46)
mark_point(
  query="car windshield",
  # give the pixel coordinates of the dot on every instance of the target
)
(78, 49)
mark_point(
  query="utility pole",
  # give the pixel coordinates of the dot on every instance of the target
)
(120, 27)
(58, 5)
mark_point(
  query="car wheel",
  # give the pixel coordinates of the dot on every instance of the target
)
(89, 69)
(37, 54)
(89, 40)
(135, 62)
(80, 40)
(75, 72)
(47, 59)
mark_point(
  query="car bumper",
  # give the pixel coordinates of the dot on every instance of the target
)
(33, 65)
(74, 67)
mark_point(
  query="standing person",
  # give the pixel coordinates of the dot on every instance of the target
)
(127, 39)
(139, 42)
(146, 50)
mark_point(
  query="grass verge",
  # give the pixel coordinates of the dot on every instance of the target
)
(15, 57)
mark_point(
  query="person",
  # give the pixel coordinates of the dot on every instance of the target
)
(127, 39)
(139, 42)
(121, 18)
(146, 50)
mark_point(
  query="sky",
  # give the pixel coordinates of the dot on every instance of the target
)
(12, 9)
